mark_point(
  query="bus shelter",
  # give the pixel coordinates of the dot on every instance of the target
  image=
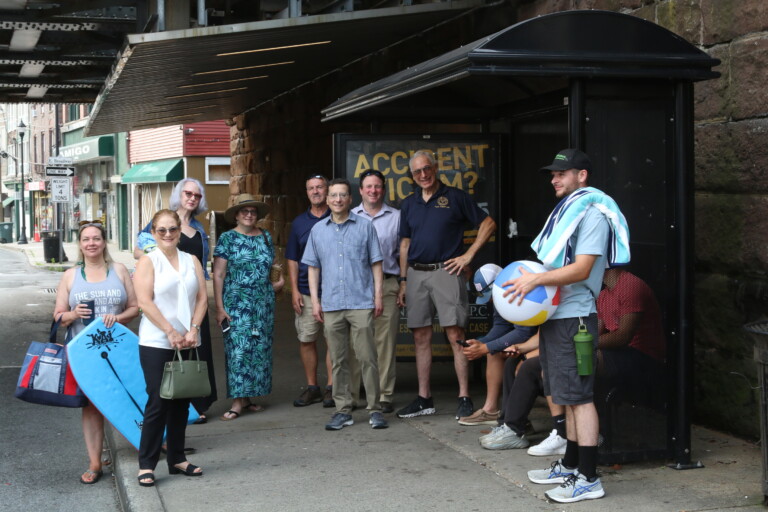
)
(621, 89)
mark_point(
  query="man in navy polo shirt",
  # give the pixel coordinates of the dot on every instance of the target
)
(307, 328)
(432, 222)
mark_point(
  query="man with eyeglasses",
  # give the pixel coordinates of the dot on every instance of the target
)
(307, 328)
(432, 222)
(386, 221)
(345, 247)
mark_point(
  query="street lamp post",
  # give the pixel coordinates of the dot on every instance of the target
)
(22, 130)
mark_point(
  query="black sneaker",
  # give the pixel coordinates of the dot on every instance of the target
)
(328, 400)
(387, 407)
(419, 407)
(310, 396)
(466, 407)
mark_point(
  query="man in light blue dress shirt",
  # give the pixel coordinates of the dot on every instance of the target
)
(386, 220)
(345, 247)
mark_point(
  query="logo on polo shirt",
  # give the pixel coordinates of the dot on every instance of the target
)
(442, 202)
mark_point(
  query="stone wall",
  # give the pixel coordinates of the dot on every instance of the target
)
(277, 146)
(731, 203)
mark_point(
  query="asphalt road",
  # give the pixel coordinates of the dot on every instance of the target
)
(43, 453)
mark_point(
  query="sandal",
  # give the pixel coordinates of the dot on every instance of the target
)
(253, 407)
(234, 413)
(200, 420)
(190, 470)
(147, 476)
(92, 477)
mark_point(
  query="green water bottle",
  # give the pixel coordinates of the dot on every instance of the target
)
(584, 350)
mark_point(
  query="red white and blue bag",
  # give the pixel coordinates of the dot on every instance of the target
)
(45, 376)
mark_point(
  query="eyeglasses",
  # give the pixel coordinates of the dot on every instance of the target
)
(89, 223)
(426, 168)
(190, 195)
(249, 212)
(316, 177)
(162, 231)
(339, 195)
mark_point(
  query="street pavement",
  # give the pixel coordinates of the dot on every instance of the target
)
(283, 459)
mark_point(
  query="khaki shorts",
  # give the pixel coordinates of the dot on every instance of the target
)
(427, 292)
(307, 328)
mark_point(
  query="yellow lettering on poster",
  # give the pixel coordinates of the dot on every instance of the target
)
(362, 165)
(399, 162)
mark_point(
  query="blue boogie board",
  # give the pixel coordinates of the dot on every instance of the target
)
(105, 364)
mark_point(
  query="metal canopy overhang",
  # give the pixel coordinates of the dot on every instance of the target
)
(202, 74)
(531, 58)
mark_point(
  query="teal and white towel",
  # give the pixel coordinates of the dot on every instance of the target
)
(552, 245)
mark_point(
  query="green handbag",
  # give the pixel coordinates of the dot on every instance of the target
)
(185, 379)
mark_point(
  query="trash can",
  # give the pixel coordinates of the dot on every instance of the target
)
(51, 246)
(759, 331)
(6, 232)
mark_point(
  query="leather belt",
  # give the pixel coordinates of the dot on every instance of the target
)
(387, 276)
(426, 267)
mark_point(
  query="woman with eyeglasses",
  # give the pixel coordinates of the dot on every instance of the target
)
(188, 201)
(171, 292)
(107, 283)
(245, 302)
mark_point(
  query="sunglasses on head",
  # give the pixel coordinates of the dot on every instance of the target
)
(162, 231)
(86, 223)
(371, 172)
(190, 195)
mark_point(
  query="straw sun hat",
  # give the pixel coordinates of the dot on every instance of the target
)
(242, 201)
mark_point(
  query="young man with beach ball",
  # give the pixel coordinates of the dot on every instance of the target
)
(585, 232)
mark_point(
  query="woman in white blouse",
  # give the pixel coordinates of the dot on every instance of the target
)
(172, 295)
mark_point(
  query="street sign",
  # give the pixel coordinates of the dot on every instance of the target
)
(51, 170)
(60, 161)
(61, 190)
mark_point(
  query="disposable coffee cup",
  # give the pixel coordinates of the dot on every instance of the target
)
(90, 304)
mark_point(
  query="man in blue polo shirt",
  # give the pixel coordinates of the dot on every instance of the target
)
(307, 328)
(345, 247)
(432, 222)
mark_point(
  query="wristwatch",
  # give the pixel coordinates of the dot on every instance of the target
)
(402, 279)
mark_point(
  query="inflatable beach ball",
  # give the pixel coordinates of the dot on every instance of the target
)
(539, 304)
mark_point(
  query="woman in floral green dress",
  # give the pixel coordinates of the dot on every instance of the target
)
(245, 297)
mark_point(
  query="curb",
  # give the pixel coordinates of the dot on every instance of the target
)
(133, 498)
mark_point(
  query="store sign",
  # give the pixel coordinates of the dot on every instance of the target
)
(61, 190)
(89, 149)
(35, 186)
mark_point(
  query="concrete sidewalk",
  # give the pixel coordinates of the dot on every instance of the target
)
(283, 459)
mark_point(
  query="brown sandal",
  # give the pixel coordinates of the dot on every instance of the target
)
(225, 418)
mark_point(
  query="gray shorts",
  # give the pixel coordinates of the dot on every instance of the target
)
(436, 290)
(307, 328)
(558, 361)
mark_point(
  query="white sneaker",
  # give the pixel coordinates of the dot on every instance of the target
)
(556, 473)
(552, 445)
(490, 435)
(506, 439)
(576, 488)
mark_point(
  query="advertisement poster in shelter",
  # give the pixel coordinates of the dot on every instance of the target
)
(470, 162)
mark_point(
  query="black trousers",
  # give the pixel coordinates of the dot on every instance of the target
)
(519, 392)
(160, 414)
